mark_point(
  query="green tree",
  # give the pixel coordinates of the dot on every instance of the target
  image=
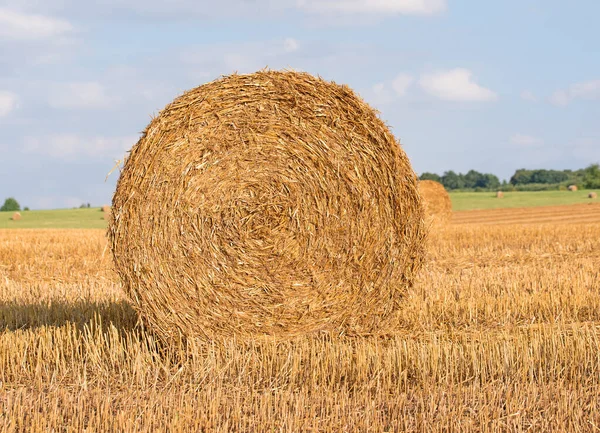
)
(491, 181)
(521, 177)
(474, 179)
(430, 176)
(591, 176)
(10, 205)
(451, 180)
(548, 176)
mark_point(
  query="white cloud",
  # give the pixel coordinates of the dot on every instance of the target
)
(587, 89)
(378, 88)
(455, 85)
(18, 25)
(80, 95)
(209, 61)
(290, 45)
(401, 84)
(71, 146)
(379, 95)
(528, 95)
(412, 7)
(526, 140)
(8, 102)
(584, 90)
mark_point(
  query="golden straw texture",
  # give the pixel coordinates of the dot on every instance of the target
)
(436, 201)
(273, 203)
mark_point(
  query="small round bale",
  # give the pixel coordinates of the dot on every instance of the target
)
(106, 211)
(436, 201)
(500, 194)
(273, 203)
(16, 216)
(592, 195)
(572, 188)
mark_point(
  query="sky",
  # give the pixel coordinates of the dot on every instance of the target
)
(463, 84)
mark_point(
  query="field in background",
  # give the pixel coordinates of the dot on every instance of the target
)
(573, 214)
(461, 201)
(500, 333)
(487, 200)
(56, 219)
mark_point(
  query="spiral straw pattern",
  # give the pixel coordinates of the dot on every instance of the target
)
(273, 203)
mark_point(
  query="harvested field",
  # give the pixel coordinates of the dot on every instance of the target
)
(566, 214)
(500, 333)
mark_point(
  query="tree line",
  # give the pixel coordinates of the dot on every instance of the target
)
(11, 205)
(522, 180)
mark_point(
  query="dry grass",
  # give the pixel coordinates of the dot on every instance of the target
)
(270, 203)
(16, 216)
(563, 214)
(500, 333)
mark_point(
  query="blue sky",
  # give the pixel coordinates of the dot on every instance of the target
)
(493, 86)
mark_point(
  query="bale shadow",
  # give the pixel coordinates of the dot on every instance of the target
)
(86, 316)
(19, 316)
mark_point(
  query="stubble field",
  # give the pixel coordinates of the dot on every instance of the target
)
(500, 333)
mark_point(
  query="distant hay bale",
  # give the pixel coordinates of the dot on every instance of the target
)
(573, 188)
(16, 216)
(592, 195)
(107, 212)
(273, 203)
(436, 201)
(499, 194)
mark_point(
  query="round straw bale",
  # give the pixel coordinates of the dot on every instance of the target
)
(107, 212)
(16, 216)
(573, 188)
(273, 203)
(499, 194)
(436, 201)
(592, 195)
